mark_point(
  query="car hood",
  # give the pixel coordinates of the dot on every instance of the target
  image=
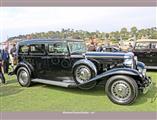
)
(109, 55)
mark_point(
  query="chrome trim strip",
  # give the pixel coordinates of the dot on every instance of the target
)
(93, 56)
(76, 56)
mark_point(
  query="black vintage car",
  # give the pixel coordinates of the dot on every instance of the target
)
(66, 63)
(146, 51)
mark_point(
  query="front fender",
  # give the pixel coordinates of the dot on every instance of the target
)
(115, 71)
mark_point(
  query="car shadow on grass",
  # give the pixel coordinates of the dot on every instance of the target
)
(9, 90)
(97, 91)
(150, 96)
(11, 81)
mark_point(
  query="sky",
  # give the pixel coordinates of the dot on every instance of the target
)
(25, 20)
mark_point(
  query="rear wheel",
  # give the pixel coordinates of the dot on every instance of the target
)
(23, 77)
(121, 89)
(82, 74)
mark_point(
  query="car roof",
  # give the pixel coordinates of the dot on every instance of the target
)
(39, 41)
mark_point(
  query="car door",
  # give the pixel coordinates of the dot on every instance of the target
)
(153, 54)
(59, 64)
(37, 55)
(142, 51)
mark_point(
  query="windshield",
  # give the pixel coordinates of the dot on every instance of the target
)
(77, 47)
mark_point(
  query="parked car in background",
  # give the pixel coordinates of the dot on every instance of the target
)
(107, 49)
(66, 63)
(146, 51)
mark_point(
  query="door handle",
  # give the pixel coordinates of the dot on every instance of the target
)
(45, 57)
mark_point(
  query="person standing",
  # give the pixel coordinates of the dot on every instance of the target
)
(2, 78)
(93, 44)
(130, 47)
(13, 55)
(2, 73)
(5, 60)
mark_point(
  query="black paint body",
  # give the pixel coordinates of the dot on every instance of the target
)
(45, 63)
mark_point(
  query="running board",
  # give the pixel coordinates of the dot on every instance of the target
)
(64, 83)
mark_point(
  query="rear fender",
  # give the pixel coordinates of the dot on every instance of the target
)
(27, 65)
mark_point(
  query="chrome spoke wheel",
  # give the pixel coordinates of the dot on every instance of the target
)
(83, 74)
(23, 77)
(121, 90)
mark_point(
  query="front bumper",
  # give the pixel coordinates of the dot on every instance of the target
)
(146, 81)
(147, 84)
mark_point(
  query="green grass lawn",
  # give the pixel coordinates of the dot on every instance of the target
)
(40, 97)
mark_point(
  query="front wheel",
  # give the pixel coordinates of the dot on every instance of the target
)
(121, 89)
(23, 77)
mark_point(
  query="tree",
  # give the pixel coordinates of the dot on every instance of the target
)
(133, 31)
(107, 35)
(124, 33)
(150, 33)
(123, 30)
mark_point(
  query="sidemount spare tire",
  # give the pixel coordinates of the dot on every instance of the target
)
(83, 73)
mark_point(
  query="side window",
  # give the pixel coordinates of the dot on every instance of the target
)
(58, 47)
(23, 49)
(145, 45)
(154, 46)
(37, 49)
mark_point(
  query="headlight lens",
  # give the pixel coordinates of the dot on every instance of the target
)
(142, 71)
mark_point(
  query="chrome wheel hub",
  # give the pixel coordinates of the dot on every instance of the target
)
(82, 74)
(23, 77)
(121, 90)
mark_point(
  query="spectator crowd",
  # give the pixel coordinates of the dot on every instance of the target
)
(6, 57)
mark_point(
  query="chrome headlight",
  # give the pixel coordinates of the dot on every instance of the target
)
(142, 71)
(141, 68)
